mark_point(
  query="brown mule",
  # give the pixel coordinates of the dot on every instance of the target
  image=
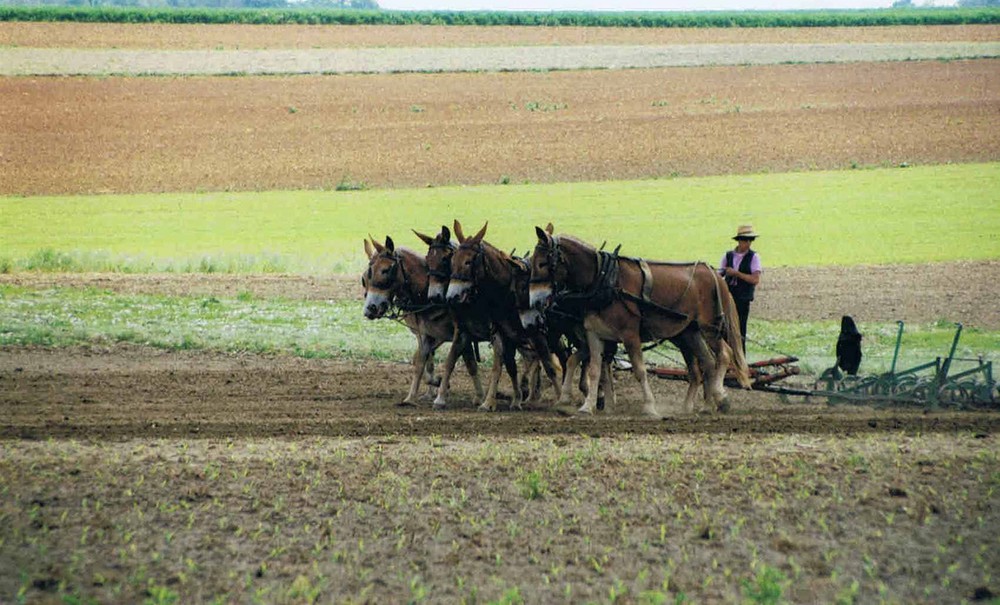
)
(630, 300)
(482, 285)
(470, 328)
(397, 279)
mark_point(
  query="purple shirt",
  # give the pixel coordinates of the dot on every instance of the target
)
(737, 259)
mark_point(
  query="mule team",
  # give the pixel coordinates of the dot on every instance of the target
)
(567, 304)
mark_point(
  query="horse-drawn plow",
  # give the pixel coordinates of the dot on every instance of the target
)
(944, 382)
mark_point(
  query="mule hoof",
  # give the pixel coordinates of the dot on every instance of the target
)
(600, 404)
(404, 404)
(723, 407)
(585, 411)
(439, 407)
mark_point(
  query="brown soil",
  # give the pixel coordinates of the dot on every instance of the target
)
(188, 37)
(77, 135)
(209, 476)
(868, 293)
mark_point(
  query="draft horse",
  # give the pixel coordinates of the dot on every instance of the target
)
(397, 278)
(482, 284)
(631, 300)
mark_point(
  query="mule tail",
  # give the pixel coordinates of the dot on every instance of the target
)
(733, 338)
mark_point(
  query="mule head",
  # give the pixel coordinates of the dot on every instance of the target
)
(467, 266)
(545, 269)
(520, 277)
(381, 279)
(440, 249)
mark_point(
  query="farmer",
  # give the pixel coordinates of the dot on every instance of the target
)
(741, 267)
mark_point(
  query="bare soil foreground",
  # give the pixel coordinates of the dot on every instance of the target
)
(249, 479)
(84, 135)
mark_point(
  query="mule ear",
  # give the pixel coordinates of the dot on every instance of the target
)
(517, 265)
(369, 251)
(424, 238)
(389, 244)
(543, 237)
(445, 234)
(482, 233)
(549, 228)
(458, 231)
(378, 247)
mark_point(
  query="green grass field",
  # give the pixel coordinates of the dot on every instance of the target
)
(875, 216)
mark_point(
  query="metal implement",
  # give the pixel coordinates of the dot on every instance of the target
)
(930, 385)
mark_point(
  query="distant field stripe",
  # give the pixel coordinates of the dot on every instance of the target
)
(883, 216)
(95, 62)
(644, 19)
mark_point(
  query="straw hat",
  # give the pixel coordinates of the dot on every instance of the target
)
(745, 232)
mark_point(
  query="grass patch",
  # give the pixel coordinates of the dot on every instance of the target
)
(317, 329)
(310, 329)
(851, 217)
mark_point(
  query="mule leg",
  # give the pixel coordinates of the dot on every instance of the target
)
(633, 346)
(429, 379)
(609, 385)
(419, 371)
(490, 402)
(693, 373)
(533, 374)
(723, 356)
(596, 347)
(509, 353)
(528, 374)
(458, 346)
(553, 369)
(469, 357)
(572, 362)
(706, 361)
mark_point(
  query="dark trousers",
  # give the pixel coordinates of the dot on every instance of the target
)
(743, 310)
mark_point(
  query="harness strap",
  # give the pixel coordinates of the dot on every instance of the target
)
(647, 279)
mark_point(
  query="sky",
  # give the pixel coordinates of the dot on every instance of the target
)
(637, 5)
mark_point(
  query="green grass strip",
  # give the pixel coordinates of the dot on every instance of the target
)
(852, 217)
(60, 317)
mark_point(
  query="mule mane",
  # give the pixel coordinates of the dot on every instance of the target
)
(574, 240)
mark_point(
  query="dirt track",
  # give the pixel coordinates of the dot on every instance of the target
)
(128, 392)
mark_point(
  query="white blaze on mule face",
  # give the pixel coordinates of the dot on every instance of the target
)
(539, 295)
(530, 318)
(457, 290)
(436, 290)
(376, 304)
